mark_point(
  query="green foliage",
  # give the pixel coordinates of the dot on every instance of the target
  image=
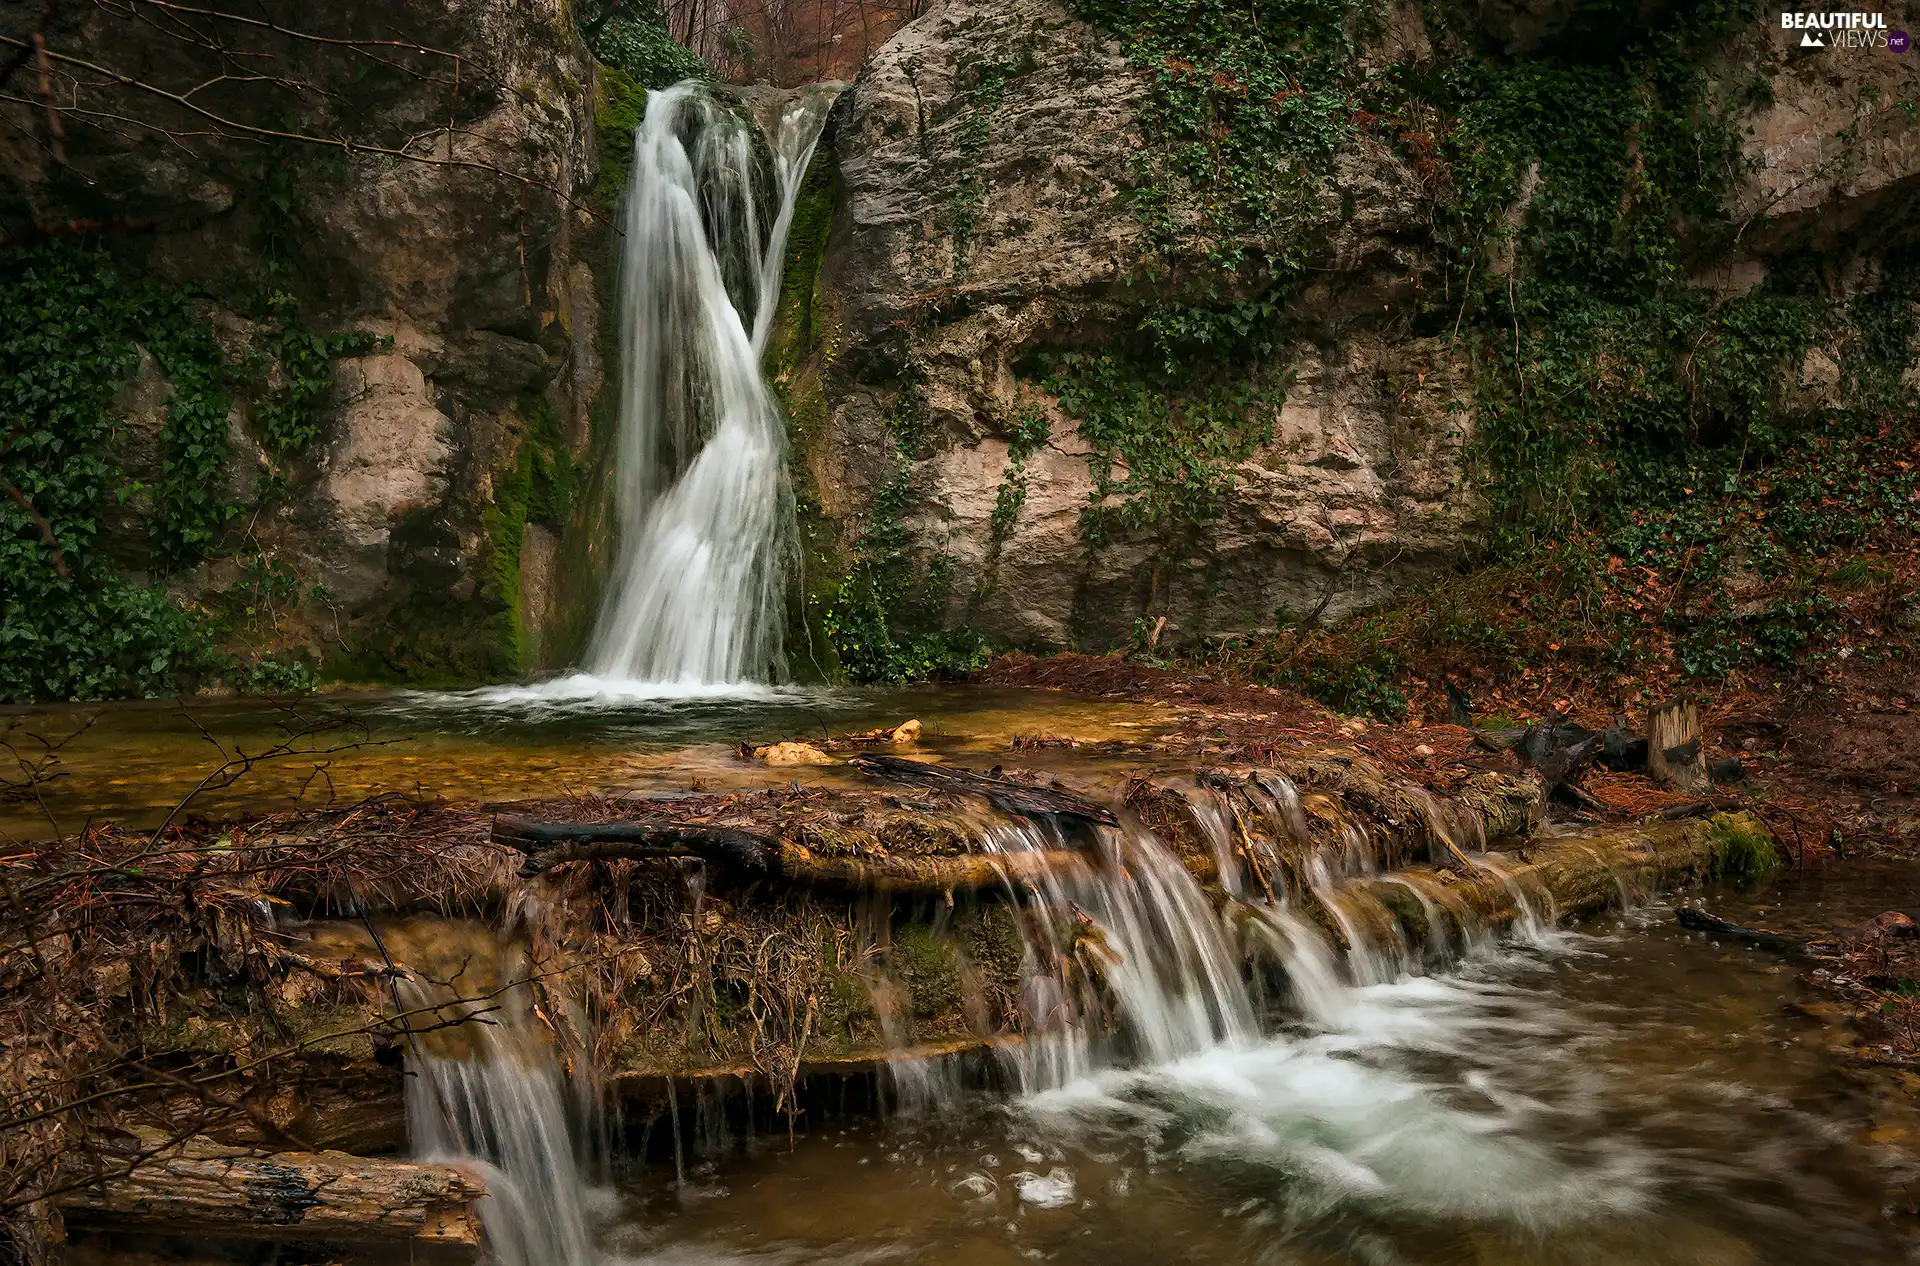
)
(1742, 852)
(1030, 431)
(882, 619)
(70, 626)
(289, 418)
(1164, 437)
(640, 48)
(1247, 105)
(986, 81)
(69, 328)
(188, 508)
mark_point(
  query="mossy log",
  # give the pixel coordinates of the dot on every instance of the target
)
(203, 1190)
(1575, 874)
(1015, 798)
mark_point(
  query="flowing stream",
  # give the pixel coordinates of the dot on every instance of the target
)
(694, 602)
(1622, 1094)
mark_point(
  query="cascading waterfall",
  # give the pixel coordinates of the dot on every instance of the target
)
(484, 1088)
(1131, 940)
(1138, 923)
(696, 595)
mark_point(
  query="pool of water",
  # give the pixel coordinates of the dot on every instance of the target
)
(137, 762)
(1625, 1093)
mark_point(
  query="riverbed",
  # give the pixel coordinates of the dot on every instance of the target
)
(1618, 1092)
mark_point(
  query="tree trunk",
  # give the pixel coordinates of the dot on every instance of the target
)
(1568, 875)
(203, 1190)
(1674, 757)
(547, 844)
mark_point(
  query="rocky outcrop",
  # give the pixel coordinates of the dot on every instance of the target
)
(985, 162)
(977, 228)
(450, 224)
(1834, 159)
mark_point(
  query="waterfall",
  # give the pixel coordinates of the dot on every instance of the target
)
(482, 1087)
(1138, 924)
(696, 594)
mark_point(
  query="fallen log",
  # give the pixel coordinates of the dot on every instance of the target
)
(1575, 874)
(1008, 797)
(549, 844)
(925, 876)
(200, 1189)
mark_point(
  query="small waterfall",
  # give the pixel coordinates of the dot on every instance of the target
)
(1135, 928)
(696, 596)
(482, 1087)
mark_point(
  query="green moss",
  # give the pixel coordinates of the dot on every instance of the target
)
(620, 102)
(1743, 852)
(930, 969)
(538, 488)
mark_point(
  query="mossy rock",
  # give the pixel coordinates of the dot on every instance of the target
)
(1743, 852)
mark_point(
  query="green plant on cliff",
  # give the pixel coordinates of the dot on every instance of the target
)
(189, 507)
(883, 617)
(1246, 109)
(1030, 430)
(538, 488)
(1658, 475)
(985, 79)
(289, 418)
(290, 369)
(1247, 104)
(635, 41)
(1164, 433)
(71, 627)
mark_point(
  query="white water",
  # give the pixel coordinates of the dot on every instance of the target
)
(694, 601)
(1136, 924)
(488, 1090)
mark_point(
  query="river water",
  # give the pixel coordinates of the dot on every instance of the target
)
(1620, 1093)
(138, 762)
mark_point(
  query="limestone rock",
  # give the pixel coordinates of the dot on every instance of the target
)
(466, 259)
(955, 258)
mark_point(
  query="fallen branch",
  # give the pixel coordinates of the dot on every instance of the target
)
(549, 844)
(1695, 920)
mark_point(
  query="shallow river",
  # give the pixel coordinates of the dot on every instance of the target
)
(1622, 1093)
(137, 762)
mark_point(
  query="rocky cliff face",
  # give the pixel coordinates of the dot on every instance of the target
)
(420, 178)
(989, 217)
(977, 229)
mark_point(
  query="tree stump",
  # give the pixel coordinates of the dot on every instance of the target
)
(1674, 756)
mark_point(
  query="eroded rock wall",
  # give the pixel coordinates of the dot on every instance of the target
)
(986, 172)
(462, 240)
